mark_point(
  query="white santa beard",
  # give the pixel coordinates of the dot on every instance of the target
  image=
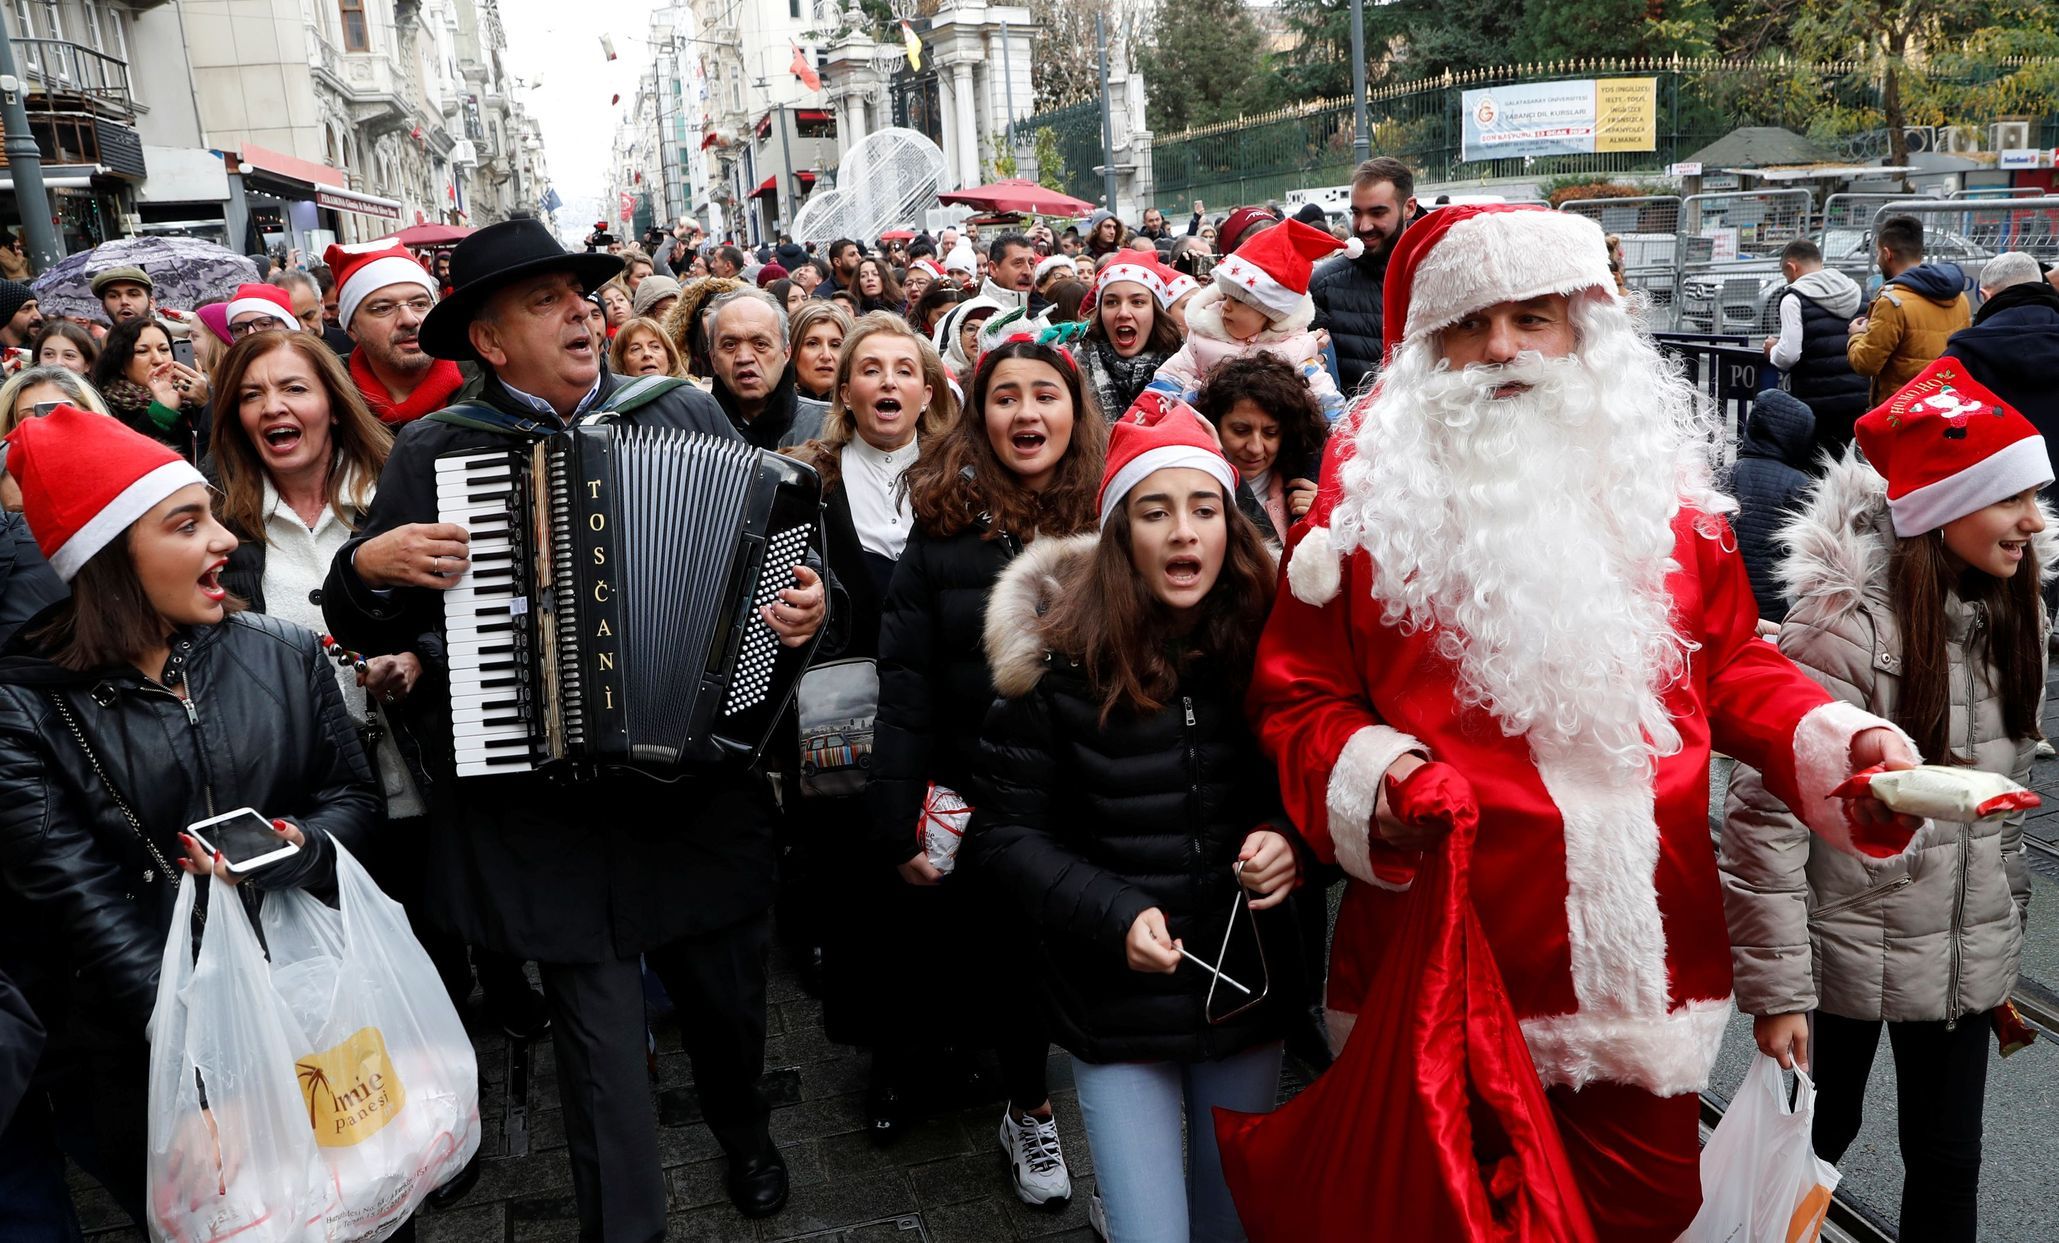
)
(1534, 533)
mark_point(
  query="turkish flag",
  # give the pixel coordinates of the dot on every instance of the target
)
(1432, 1123)
(805, 71)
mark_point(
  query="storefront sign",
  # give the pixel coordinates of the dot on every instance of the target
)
(1578, 117)
(2020, 157)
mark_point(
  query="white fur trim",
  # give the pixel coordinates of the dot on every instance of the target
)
(375, 276)
(1617, 937)
(1505, 257)
(243, 306)
(1354, 791)
(1246, 280)
(129, 504)
(1163, 457)
(1314, 572)
(1667, 1054)
(1014, 643)
(1140, 275)
(2003, 473)
(1822, 761)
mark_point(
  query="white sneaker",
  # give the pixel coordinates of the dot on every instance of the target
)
(1097, 1217)
(1041, 1179)
(2044, 749)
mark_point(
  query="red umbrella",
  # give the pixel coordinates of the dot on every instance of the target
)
(1018, 195)
(429, 235)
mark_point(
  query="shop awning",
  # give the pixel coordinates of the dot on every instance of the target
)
(814, 116)
(338, 199)
(771, 184)
(291, 168)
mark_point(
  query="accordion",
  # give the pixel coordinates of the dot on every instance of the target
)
(610, 616)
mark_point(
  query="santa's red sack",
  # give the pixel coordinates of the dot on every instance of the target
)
(1432, 1124)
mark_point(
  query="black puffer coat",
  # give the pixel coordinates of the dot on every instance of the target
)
(2013, 348)
(263, 727)
(934, 688)
(1771, 482)
(1086, 826)
(1350, 297)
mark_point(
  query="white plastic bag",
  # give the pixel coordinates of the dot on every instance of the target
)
(1762, 1181)
(340, 1085)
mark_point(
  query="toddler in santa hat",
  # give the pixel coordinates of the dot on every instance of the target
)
(1259, 302)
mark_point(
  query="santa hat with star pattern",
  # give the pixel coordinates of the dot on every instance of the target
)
(85, 478)
(1271, 270)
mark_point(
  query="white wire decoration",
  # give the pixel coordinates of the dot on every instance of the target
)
(890, 178)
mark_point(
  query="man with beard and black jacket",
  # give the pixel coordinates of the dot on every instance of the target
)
(2013, 345)
(586, 877)
(1814, 311)
(1350, 293)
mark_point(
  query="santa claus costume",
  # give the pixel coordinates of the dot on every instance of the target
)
(1522, 572)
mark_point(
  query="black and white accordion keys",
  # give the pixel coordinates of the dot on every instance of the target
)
(610, 615)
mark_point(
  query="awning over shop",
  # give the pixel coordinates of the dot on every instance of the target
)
(292, 177)
(771, 185)
(291, 168)
(57, 177)
(814, 116)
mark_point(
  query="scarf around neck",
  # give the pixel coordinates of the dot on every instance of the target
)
(432, 394)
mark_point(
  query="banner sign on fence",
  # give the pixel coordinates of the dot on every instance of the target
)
(1578, 117)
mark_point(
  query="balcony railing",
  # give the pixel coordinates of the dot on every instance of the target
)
(60, 67)
(326, 55)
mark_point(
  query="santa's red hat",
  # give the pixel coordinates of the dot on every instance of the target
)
(85, 478)
(1457, 260)
(270, 299)
(1158, 433)
(929, 265)
(370, 266)
(1271, 270)
(1174, 284)
(1948, 446)
(1135, 267)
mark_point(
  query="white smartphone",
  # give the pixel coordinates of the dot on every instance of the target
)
(243, 838)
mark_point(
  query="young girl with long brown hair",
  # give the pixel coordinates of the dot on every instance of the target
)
(1128, 813)
(1020, 465)
(1914, 582)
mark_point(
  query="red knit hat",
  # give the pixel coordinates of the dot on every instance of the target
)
(365, 268)
(270, 299)
(1948, 446)
(1271, 270)
(85, 478)
(1241, 224)
(1457, 260)
(1159, 432)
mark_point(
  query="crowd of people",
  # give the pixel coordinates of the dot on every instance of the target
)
(1188, 576)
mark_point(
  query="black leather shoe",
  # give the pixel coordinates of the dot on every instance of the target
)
(757, 1183)
(454, 1190)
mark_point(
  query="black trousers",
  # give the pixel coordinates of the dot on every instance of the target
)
(611, 1124)
(1940, 1081)
(717, 984)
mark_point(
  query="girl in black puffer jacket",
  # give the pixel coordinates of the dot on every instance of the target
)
(1127, 810)
(1020, 465)
(143, 691)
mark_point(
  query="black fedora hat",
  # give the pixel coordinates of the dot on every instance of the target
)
(491, 258)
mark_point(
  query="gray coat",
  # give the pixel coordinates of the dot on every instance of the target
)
(1936, 932)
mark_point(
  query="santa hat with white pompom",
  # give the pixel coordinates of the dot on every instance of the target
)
(1271, 271)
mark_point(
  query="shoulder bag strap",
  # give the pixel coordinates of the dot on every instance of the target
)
(121, 804)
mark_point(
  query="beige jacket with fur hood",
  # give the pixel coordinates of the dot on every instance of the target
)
(1936, 932)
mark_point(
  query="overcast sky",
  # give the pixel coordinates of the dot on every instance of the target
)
(556, 47)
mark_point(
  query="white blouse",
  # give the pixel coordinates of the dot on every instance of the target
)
(879, 505)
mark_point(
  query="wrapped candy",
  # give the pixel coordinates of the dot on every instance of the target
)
(1939, 792)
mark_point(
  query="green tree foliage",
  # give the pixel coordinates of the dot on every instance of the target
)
(1207, 66)
(1570, 29)
(1063, 66)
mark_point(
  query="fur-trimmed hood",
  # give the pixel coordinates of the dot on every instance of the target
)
(1837, 549)
(1205, 318)
(1013, 636)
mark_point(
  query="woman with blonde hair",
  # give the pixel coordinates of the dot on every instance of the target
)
(642, 348)
(890, 398)
(24, 391)
(815, 336)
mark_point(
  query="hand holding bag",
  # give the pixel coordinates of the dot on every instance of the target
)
(1762, 1181)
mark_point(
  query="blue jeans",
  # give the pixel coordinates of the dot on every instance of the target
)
(1133, 1113)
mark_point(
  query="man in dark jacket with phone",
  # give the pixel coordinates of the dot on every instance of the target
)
(582, 878)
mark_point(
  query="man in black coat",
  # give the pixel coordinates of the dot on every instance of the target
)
(583, 878)
(1350, 293)
(1814, 312)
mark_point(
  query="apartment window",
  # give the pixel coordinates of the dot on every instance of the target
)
(93, 35)
(793, 8)
(117, 35)
(25, 28)
(357, 36)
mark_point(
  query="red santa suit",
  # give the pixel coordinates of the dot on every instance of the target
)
(1597, 888)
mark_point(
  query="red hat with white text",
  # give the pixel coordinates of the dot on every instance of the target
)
(85, 478)
(1158, 433)
(1271, 271)
(1947, 447)
(1458, 260)
(270, 299)
(362, 269)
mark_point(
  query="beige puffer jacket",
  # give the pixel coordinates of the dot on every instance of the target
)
(1936, 932)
